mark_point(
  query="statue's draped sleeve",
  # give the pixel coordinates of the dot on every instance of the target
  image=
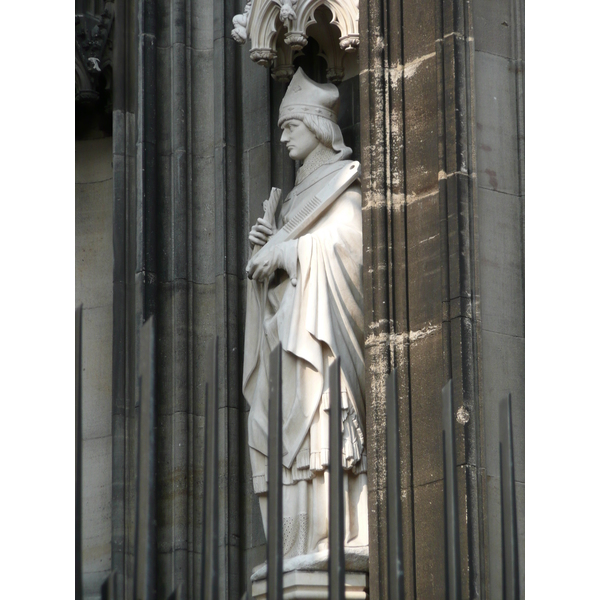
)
(320, 317)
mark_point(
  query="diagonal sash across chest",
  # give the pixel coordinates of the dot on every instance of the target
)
(301, 219)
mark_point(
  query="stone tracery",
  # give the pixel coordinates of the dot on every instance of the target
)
(278, 30)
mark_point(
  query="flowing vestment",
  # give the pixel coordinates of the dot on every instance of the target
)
(318, 319)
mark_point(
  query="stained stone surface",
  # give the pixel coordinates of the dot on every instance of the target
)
(496, 115)
(443, 234)
(93, 222)
(93, 261)
(498, 69)
(501, 262)
(96, 513)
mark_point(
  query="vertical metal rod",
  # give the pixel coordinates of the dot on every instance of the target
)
(450, 497)
(108, 587)
(337, 566)
(144, 522)
(210, 540)
(275, 491)
(78, 457)
(394, 507)
(510, 554)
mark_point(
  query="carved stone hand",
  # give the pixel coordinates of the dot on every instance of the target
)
(281, 256)
(267, 264)
(260, 232)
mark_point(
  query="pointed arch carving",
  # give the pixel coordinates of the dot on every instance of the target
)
(278, 29)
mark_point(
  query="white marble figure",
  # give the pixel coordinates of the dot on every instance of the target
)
(287, 9)
(306, 292)
(240, 24)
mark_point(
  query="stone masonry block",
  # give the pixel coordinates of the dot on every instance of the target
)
(502, 261)
(164, 100)
(172, 473)
(420, 88)
(496, 123)
(429, 541)
(201, 25)
(97, 506)
(204, 328)
(172, 347)
(96, 337)
(426, 373)
(424, 262)
(203, 220)
(255, 108)
(202, 109)
(419, 29)
(493, 27)
(93, 249)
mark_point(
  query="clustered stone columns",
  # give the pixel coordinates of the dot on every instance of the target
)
(419, 257)
(177, 212)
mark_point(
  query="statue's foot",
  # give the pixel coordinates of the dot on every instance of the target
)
(262, 566)
(357, 560)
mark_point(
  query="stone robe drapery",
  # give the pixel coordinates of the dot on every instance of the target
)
(318, 319)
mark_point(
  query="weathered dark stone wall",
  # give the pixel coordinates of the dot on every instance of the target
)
(417, 154)
(442, 132)
(499, 91)
(177, 230)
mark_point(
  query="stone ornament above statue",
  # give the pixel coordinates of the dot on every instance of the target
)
(278, 30)
(305, 290)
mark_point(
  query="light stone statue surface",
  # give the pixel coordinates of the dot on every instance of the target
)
(306, 292)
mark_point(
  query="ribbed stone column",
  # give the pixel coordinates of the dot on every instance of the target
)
(177, 228)
(418, 251)
(135, 268)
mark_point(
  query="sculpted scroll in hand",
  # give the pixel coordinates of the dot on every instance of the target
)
(305, 290)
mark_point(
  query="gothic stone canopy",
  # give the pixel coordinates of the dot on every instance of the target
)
(279, 29)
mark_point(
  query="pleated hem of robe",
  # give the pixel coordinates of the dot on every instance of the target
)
(312, 457)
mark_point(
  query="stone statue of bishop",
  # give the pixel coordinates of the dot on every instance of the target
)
(307, 293)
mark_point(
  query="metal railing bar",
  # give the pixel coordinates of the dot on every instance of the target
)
(210, 539)
(337, 567)
(394, 506)
(78, 457)
(275, 487)
(144, 543)
(510, 555)
(450, 497)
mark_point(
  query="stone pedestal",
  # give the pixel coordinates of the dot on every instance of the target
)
(313, 585)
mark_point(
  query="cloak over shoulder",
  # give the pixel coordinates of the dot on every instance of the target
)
(319, 317)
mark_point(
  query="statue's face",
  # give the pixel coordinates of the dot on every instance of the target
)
(299, 139)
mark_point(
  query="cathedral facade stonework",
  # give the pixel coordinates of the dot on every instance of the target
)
(421, 260)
